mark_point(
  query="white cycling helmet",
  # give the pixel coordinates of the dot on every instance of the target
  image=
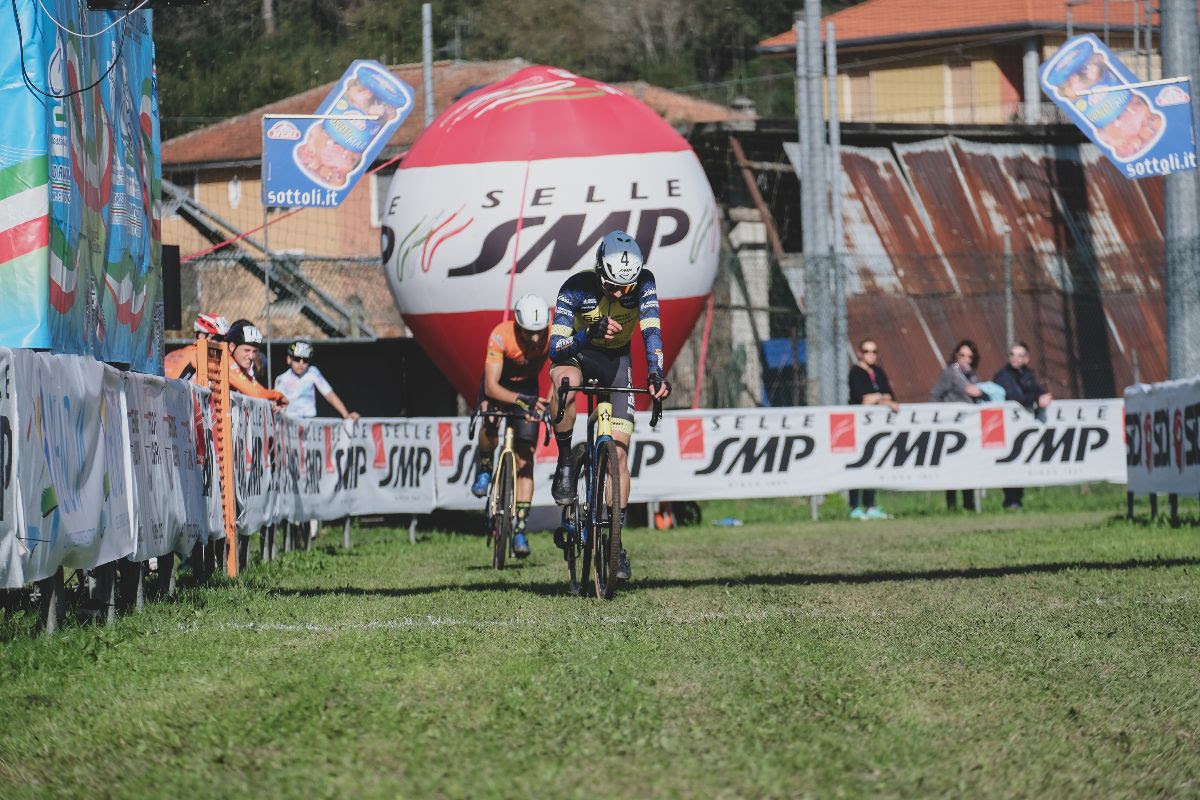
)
(619, 259)
(532, 313)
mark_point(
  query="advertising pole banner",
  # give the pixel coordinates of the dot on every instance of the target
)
(315, 160)
(10, 547)
(80, 184)
(1144, 128)
(1162, 437)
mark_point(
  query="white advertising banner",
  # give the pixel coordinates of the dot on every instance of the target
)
(171, 509)
(803, 451)
(332, 469)
(252, 425)
(1162, 437)
(207, 474)
(779, 452)
(10, 547)
(117, 514)
(61, 472)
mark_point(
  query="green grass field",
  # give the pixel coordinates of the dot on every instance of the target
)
(1039, 654)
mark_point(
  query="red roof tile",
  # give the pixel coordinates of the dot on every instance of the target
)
(911, 19)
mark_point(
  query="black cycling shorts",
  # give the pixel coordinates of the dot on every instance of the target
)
(523, 430)
(610, 368)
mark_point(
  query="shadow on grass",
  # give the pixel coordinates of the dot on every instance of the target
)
(553, 588)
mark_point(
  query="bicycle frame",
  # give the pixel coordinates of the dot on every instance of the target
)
(599, 432)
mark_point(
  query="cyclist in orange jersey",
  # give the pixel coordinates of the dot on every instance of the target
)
(517, 350)
(181, 363)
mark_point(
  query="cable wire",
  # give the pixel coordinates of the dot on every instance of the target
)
(29, 81)
(65, 29)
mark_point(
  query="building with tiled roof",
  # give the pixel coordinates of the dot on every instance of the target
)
(335, 250)
(967, 61)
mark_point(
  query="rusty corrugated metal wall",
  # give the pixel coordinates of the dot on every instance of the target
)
(924, 246)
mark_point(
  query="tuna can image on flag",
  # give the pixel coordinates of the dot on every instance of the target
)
(510, 190)
(315, 160)
(1143, 127)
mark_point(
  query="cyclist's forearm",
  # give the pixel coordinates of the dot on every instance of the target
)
(565, 342)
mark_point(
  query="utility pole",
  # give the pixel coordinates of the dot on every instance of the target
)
(840, 335)
(1010, 335)
(1182, 200)
(427, 59)
(818, 300)
(808, 224)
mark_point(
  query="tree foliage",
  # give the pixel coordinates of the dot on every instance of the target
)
(216, 61)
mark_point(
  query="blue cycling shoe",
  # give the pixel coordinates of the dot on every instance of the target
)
(520, 545)
(480, 486)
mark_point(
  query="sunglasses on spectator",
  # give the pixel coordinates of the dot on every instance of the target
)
(865, 351)
(298, 358)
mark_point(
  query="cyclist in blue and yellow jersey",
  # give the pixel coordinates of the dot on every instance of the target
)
(594, 320)
(516, 353)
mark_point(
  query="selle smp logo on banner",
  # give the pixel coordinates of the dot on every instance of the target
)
(315, 160)
(1145, 128)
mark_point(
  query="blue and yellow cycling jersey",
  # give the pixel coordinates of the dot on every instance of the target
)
(581, 302)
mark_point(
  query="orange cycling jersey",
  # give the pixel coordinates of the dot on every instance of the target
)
(520, 366)
(241, 382)
(181, 363)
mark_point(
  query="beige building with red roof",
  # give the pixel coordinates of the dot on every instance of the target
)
(961, 62)
(334, 253)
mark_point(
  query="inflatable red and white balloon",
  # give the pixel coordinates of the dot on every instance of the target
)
(510, 191)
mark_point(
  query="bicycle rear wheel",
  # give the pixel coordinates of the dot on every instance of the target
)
(503, 509)
(606, 533)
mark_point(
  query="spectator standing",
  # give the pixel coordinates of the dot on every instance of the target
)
(301, 382)
(1021, 385)
(869, 386)
(956, 384)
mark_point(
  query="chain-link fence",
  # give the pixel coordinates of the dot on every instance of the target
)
(1094, 320)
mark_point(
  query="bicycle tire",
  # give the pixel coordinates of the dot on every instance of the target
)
(505, 507)
(606, 536)
(576, 548)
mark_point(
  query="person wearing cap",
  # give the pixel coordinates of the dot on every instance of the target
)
(301, 382)
(245, 340)
(181, 363)
(517, 350)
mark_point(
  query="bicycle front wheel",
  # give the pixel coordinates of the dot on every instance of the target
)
(606, 516)
(579, 543)
(504, 509)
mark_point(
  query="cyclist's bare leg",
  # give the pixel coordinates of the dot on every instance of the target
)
(621, 439)
(488, 439)
(561, 489)
(575, 376)
(523, 451)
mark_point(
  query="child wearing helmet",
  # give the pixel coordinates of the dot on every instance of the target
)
(301, 382)
(594, 320)
(516, 352)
